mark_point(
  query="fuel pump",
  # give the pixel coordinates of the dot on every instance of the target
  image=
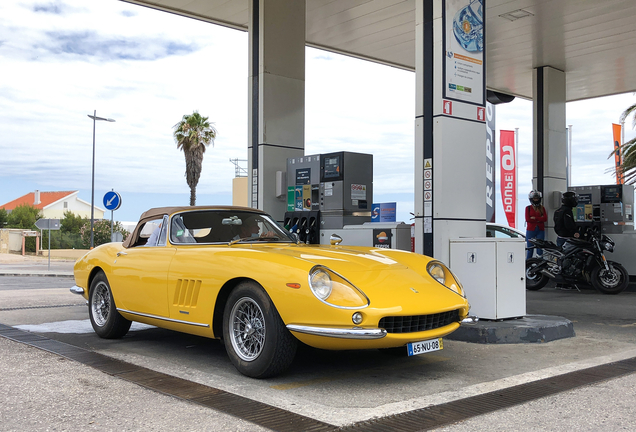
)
(346, 189)
(328, 191)
(610, 209)
(332, 193)
(303, 201)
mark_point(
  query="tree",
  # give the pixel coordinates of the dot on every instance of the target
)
(193, 134)
(71, 223)
(628, 150)
(70, 228)
(24, 216)
(101, 232)
(4, 218)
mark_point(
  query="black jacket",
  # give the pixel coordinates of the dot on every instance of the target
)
(564, 224)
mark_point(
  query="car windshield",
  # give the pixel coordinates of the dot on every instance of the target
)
(225, 226)
(501, 232)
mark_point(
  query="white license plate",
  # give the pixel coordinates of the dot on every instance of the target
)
(415, 348)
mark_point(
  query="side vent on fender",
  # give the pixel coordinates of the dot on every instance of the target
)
(187, 293)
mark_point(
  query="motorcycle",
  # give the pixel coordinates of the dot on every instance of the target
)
(575, 262)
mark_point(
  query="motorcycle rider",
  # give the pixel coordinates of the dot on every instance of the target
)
(564, 224)
(536, 216)
(579, 256)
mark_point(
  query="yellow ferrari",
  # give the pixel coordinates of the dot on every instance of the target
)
(234, 274)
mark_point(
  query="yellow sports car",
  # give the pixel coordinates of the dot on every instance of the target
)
(233, 273)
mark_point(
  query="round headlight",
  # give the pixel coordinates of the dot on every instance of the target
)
(334, 290)
(356, 318)
(437, 271)
(444, 276)
(320, 284)
(609, 247)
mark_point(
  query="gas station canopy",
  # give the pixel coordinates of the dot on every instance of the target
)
(590, 40)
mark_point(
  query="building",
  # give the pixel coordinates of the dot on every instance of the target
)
(54, 204)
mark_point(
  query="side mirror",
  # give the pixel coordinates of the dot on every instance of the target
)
(335, 239)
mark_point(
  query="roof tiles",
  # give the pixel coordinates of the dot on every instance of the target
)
(46, 199)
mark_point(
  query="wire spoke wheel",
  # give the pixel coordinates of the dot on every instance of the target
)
(255, 337)
(248, 329)
(105, 319)
(100, 304)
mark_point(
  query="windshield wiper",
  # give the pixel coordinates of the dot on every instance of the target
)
(251, 239)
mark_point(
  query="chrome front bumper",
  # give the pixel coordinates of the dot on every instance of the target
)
(77, 290)
(342, 333)
(353, 332)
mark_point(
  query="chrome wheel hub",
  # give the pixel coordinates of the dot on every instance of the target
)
(247, 331)
(100, 304)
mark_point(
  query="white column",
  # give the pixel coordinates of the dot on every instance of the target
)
(550, 139)
(449, 143)
(276, 97)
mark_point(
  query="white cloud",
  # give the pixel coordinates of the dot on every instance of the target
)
(60, 67)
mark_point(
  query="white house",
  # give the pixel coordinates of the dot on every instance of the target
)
(54, 204)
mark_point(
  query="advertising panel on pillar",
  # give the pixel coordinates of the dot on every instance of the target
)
(464, 68)
(508, 174)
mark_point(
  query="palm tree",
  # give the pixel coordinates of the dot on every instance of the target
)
(628, 151)
(193, 135)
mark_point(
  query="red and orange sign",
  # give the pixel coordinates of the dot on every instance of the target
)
(508, 174)
(618, 157)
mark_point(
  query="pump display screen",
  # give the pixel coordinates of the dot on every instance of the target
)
(611, 194)
(303, 176)
(332, 167)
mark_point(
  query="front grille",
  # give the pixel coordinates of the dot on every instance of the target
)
(418, 323)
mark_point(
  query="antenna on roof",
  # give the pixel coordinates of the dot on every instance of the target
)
(238, 170)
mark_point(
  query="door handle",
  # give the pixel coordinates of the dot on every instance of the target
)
(121, 253)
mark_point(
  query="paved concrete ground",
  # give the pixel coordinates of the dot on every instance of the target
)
(41, 391)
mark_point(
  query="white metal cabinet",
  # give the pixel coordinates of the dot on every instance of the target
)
(492, 272)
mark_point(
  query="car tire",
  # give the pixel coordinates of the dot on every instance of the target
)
(255, 337)
(105, 319)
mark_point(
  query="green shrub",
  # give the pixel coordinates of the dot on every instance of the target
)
(101, 232)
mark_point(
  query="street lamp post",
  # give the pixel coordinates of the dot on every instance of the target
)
(95, 118)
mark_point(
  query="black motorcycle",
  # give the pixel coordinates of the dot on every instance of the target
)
(575, 262)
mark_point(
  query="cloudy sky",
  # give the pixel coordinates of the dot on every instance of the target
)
(62, 59)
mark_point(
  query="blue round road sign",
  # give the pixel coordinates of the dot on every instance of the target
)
(112, 200)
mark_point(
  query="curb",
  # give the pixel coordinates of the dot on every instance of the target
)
(529, 329)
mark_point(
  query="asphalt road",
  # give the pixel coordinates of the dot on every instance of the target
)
(17, 283)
